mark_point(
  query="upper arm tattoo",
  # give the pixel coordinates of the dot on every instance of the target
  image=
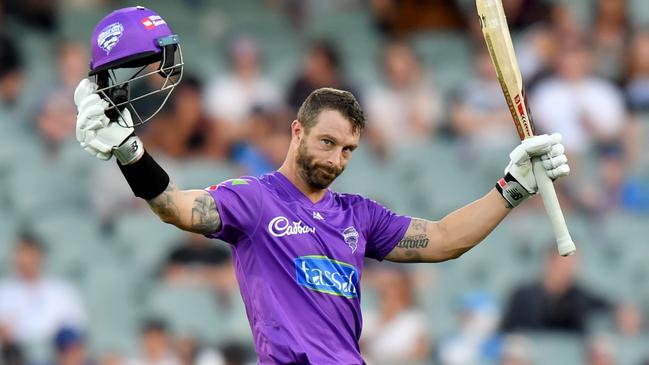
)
(202, 217)
(410, 246)
(205, 215)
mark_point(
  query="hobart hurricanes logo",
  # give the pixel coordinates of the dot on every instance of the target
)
(280, 226)
(109, 36)
(322, 274)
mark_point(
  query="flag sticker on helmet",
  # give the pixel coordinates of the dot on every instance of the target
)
(109, 36)
(152, 21)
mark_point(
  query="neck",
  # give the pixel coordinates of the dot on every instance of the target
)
(289, 170)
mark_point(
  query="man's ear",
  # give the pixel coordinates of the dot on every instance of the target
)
(297, 130)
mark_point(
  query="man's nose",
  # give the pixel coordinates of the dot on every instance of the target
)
(336, 159)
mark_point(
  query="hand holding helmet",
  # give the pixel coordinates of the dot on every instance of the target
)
(129, 38)
(100, 136)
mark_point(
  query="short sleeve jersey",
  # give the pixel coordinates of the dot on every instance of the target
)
(299, 265)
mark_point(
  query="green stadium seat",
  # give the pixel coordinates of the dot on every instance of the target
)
(193, 311)
(199, 173)
(111, 293)
(556, 348)
(70, 238)
(145, 241)
(449, 54)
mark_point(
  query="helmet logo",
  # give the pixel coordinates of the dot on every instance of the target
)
(109, 36)
(152, 21)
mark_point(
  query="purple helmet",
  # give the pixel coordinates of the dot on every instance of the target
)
(134, 38)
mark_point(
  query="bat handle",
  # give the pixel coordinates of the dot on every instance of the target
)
(565, 245)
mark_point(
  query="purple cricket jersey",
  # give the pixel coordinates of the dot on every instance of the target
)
(299, 265)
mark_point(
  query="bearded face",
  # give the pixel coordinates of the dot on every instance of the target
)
(317, 175)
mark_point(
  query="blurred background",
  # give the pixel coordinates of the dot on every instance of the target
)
(88, 275)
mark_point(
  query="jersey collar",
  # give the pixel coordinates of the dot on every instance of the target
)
(298, 195)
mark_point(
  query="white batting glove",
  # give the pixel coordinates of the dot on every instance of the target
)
(97, 134)
(519, 181)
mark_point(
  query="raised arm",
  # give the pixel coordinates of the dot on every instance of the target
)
(189, 210)
(458, 232)
(455, 234)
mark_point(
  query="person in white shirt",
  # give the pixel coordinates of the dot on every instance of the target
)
(586, 110)
(396, 333)
(34, 306)
(231, 98)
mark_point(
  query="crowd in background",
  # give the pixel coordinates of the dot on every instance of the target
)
(587, 78)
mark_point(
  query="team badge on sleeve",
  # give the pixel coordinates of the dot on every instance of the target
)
(351, 237)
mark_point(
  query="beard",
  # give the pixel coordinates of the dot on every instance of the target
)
(316, 175)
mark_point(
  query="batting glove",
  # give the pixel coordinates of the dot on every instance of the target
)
(519, 182)
(97, 134)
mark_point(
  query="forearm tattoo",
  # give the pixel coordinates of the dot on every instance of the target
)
(163, 205)
(414, 241)
(205, 216)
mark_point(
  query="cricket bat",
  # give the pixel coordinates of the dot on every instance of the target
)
(499, 43)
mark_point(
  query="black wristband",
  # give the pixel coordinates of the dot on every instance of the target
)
(145, 177)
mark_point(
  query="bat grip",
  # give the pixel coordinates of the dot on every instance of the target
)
(565, 245)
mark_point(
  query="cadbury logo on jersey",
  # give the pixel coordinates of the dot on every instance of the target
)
(280, 227)
(324, 275)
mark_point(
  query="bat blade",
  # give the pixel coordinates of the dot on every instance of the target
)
(501, 50)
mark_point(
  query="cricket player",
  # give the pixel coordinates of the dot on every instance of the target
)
(298, 247)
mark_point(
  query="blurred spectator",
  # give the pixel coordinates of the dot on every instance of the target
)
(396, 334)
(610, 34)
(11, 77)
(407, 107)
(187, 347)
(156, 345)
(516, 350)
(637, 79)
(266, 139)
(195, 262)
(232, 97)
(481, 118)
(70, 346)
(600, 351)
(401, 17)
(111, 358)
(556, 302)
(11, 353)
(35, 13)
(476, 340)
(629, 321)
(585, 109)
(72, 64)
(321, 68)
(236, 353)
(56, 122)
(183, 129)
(33, 306)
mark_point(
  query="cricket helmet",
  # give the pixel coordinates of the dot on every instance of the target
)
(128, 46)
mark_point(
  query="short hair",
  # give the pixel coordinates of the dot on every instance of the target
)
(331, 99)
(27, 238)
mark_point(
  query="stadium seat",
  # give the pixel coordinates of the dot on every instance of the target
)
(70, 239)
(193, 311)
(556, 348)
(448, 54)
(111, 293)
(199, 173)
(144, 241)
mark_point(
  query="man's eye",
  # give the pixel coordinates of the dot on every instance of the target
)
(327, 142)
